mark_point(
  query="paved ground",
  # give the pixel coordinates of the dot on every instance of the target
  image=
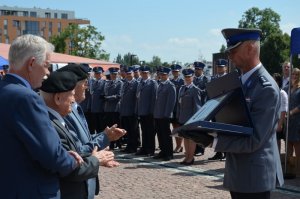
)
(146, 178)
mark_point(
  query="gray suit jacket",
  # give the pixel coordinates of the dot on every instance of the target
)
(97, 102)
(165, 100)
(189, 102)
(128, 98)
(112, 90)
(253, 163)
(146, 94)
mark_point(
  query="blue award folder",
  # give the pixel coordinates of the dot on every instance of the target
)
(225, 112)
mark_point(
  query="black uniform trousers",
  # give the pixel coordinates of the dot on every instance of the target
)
(112, 118)
(130, 124)
(148, 134)
(261, 195)
(98, 122)
(164, 136)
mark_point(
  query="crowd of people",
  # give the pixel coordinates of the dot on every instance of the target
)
(60, 129)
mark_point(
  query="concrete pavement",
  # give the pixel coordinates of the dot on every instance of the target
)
(143, 177)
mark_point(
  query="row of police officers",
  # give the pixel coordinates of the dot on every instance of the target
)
(135, 98)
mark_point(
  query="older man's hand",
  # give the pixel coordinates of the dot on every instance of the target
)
(77, 157)
(104, 156)
(113, 133)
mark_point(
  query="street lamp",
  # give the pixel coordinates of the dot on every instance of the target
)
(131, 56)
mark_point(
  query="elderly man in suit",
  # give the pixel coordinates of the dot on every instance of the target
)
(36, 157)
(76, 122)
(252, 163)
(58, 93)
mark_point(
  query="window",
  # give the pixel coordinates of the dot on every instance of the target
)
(33, 14)
(55, 15)
(50, 26)
(59, 27)
(25, 13)
(64, 16)
(16, 23)
(48, 15)
(31, 27)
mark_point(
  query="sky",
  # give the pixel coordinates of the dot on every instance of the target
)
(174, 30)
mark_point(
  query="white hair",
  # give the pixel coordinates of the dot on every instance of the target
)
(27, 46)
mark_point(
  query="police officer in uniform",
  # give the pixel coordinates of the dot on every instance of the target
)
(178, 82)
(146, 94)
(222, 65)
(189, 102)
(112, 96)
(129, 119)
(253, 165)
(97, 103)
(136, 72)
(200, 80)
(163, 110)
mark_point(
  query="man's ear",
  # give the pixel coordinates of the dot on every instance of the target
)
(30, 64)
(57, 98)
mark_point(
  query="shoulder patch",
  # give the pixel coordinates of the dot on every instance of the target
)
(264, 81)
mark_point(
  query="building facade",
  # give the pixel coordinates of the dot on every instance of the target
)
(16, 21)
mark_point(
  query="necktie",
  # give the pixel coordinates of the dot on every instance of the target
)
(81, 114)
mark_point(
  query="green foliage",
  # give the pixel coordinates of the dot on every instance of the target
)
(128, 59)
(84, 42)
(275, 51)
(267, 20)
(223, 48)
(274, 44)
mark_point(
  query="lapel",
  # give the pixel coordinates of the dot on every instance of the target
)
(77, 119)
(63, 129)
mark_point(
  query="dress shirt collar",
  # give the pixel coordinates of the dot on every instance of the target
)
(246, 76)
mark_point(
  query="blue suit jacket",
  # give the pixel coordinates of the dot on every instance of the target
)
(35, 158)
(88, 141)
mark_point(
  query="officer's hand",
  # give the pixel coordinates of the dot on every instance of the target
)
(201, 138)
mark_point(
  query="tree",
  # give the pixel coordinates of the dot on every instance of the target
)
(275, 51)
(223, 48)
(274, 44)
(84, 42)
(267, 20)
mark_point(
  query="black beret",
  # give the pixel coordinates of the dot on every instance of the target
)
(75, 69)
(58, 82)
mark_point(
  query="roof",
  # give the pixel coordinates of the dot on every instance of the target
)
(63, 58)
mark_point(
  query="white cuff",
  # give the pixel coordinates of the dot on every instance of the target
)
(214, 143)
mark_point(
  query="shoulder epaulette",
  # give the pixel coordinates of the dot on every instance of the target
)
(264, 81)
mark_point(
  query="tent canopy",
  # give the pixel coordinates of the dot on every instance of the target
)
(3, 62)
